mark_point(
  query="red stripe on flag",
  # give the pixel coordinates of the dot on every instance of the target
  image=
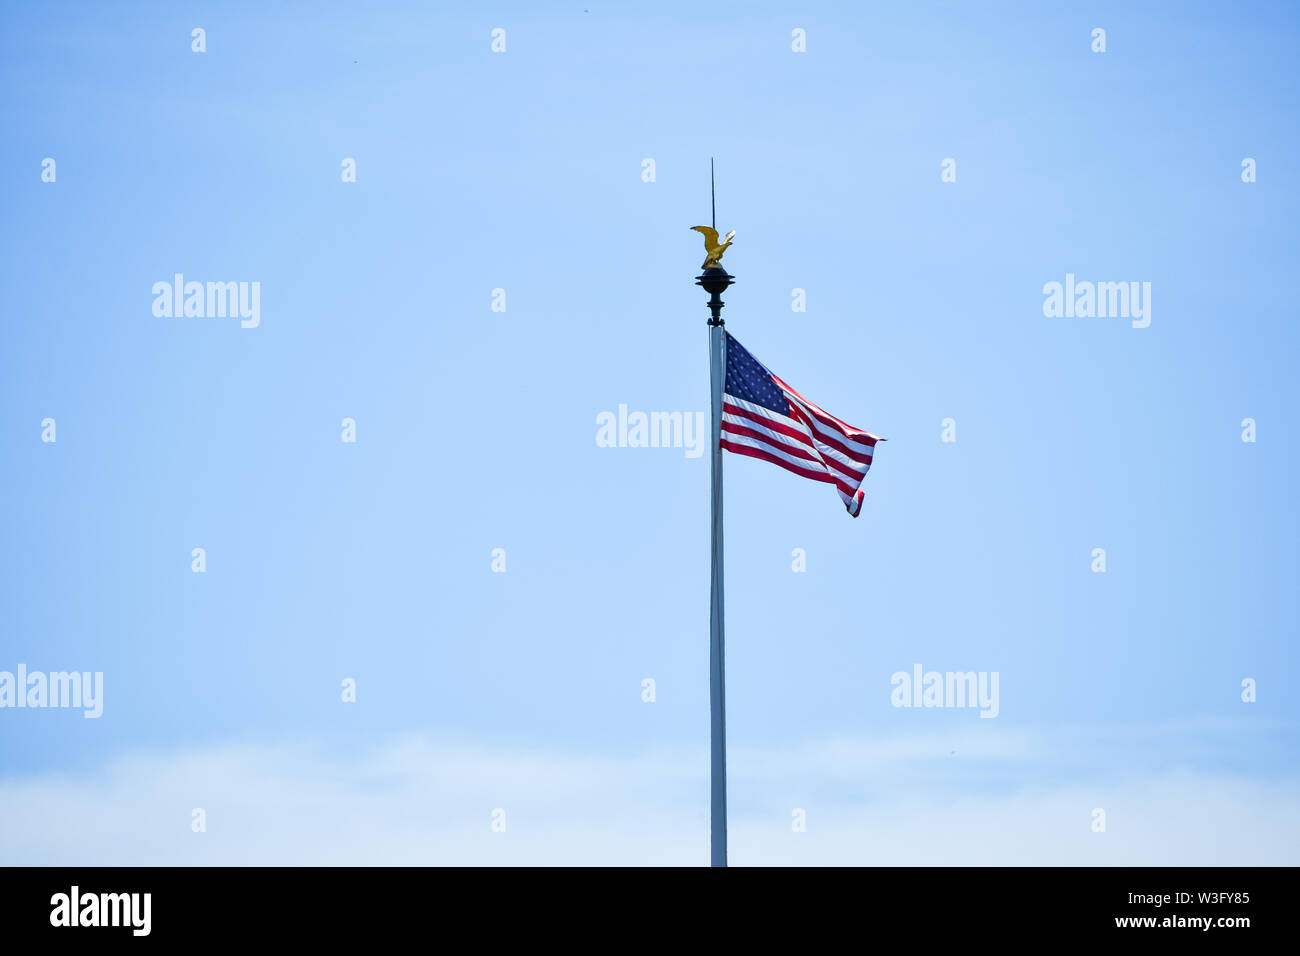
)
(825, 476)
(855, 468)
(855, 454)
(829, 420)
(756, 453)
(735, 429)
(767, 422)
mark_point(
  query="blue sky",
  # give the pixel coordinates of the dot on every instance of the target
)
(522, 171)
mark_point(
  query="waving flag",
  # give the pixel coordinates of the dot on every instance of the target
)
(763, 417)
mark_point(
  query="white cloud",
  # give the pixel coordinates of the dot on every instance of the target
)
(417, 801)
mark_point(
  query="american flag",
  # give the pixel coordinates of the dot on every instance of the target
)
(765, 418)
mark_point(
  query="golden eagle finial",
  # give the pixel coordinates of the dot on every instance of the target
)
(712, 248)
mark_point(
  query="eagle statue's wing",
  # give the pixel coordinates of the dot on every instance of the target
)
(710, 237)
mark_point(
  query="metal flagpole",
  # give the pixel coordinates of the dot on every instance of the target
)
(714, 280)
(717, 674)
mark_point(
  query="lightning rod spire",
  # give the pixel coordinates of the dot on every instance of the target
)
(713, 194)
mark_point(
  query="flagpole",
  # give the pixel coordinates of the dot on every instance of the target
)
(717, 673)
(714, 281)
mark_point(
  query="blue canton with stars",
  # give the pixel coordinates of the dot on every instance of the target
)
(749, 379)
